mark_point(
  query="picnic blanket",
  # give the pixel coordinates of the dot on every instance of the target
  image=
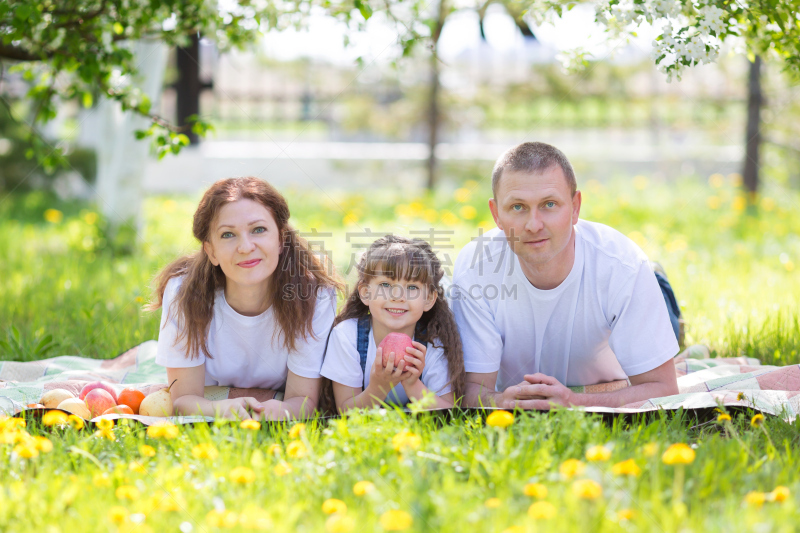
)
(703, 383)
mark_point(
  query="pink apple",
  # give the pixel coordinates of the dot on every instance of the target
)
(98, 385)
(397, 343)
(99, 401)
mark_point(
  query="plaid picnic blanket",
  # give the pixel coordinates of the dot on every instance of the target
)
(703, 382)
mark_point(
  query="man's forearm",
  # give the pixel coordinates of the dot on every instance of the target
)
(618, 398)
(477, 395)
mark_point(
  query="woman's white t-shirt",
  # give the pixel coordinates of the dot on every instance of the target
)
(343, 363)
(244, 353)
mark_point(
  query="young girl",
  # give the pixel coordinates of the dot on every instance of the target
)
(252, 308)
(399, 290)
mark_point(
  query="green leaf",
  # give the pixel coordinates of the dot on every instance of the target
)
(363, 8)
(118, 29)
(87, 100)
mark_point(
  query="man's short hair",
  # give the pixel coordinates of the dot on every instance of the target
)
(532, 157)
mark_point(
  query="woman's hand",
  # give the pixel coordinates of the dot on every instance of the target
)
(384, 378)
(238, 408)
(415, 364)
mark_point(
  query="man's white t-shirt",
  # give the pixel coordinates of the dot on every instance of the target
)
(243, 350)
(343, 363)
(606, 321)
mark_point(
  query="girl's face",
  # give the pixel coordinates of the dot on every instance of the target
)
(245, 243)
(396, 304)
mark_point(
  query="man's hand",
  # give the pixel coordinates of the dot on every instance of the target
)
(536, 392)
(238, 408)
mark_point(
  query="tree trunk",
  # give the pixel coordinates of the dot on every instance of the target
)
(755, 100)
(188, 85)
(120, 157)
(434, 111)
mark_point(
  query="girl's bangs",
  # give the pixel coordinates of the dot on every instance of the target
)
(399, 263)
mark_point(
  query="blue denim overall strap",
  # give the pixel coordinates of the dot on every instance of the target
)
(362, 344)
(673, 309)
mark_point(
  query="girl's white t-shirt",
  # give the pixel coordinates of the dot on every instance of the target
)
(343, 363)
(244, 352)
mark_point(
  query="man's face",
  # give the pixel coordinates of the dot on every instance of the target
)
(536, 212)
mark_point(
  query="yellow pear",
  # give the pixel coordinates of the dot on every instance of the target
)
(76, 406)
(52, 398)
(158, 403)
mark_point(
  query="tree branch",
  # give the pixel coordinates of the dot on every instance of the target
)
(16, 53)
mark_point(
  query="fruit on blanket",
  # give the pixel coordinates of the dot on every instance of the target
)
(158, 403)
(397, 343)
(35, 406)
(76, 406)
(52, 398)
(120, 409)
(132, 398)
(99, 401)
(98, 385)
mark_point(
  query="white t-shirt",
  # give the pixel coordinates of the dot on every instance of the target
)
(606, 321)
(343, 363)
(244, 354)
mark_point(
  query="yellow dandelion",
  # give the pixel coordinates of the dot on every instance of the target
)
(535, 490)
(678, 454)
(75, 422)
(757, 420)
(449, 219)
(105, 434)
(53, 216)
(168, 503)
(468, 212)
(363, 487)
(297, 430)
(205, 450)
(406, 440)
(242, 475)
(251, 424)
(740, 397)
(780, 494)
(626, 514)
(101, 480)
(739, 203)
(105, 424)
(626, 468)
(339, 523)
(542, 510)
(514, 529)
(118, 514)
(571, 468)
(462, 195)
(587, 489)
(598, 453)
(334, 506)
(127, 492)
(282, 468)
(163, 430)
(755, 498)
(724, 417)
(26, 451)
(274, 449)
(90, 218)
(296, 449)
(500, 419)
(137, 467)
(43, 444)
(54, 418)
(713, 202)
(147, 451)
(493, 503)
(716, 180)
(396, 520)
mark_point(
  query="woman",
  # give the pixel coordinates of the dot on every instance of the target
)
(252, 308)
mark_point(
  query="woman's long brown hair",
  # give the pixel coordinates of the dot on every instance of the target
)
(398, 257)
(294, 286)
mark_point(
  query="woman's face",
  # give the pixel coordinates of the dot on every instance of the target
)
(245, 243)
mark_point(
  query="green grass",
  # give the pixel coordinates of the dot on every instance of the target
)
(63, 291)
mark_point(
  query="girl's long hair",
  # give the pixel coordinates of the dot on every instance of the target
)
(294, 286)
(398, 257)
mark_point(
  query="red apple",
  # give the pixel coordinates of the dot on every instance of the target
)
(99, 401)
(397, 343)
(98, 385)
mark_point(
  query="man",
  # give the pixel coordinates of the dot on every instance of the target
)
(547, 300)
